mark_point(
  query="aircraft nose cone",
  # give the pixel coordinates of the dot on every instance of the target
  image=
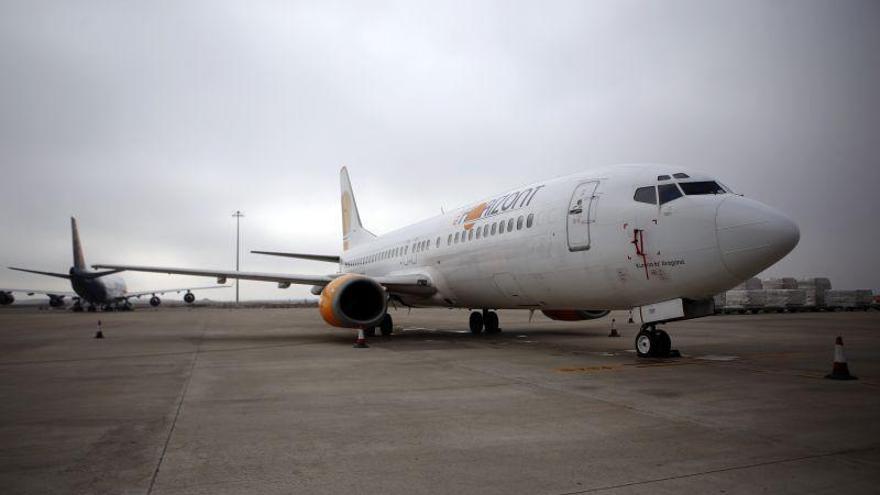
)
(752, 236)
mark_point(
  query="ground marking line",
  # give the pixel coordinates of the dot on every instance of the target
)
(192, 367)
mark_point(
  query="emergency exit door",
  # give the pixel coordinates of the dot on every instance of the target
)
(581, 215)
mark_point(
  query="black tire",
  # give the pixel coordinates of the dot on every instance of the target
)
(387, 325)
(189, 298)
(92, 309)
(475, 322)
(491, 322)
(664, 343)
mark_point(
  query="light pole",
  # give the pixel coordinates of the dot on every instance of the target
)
(237, 215)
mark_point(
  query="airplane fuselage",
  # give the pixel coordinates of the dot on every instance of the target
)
(101, 290)
(584, 241)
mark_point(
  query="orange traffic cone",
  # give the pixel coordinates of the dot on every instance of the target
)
(613, 330)
(840, 371)
(361, 342)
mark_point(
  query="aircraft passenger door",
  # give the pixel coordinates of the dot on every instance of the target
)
(581, 214)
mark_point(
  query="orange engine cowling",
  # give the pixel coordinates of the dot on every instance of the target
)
(574, 314)
(353, 301)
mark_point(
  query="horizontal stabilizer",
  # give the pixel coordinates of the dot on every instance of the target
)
(313, 257)
(50, 274)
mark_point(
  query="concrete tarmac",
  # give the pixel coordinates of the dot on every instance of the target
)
(223, 401)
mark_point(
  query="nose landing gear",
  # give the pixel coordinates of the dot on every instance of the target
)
(651, 342)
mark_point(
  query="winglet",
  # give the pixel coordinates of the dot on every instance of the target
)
(353, 231)
(79, 261)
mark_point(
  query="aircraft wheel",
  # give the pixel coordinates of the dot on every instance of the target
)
(387, 325)
(664, 343)
(77, 308)
(92, 309)
(491, 322)
(476, 322)
(651, 342)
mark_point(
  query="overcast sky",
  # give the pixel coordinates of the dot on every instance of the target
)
(153, 121)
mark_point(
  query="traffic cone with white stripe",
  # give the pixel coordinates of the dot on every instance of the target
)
(840, 371)
(99, 334)
(613, 330)
(361, 342)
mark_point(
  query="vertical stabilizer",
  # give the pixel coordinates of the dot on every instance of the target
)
(78, 259)
(353, 231)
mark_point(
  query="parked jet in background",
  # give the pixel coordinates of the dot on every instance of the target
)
(654, 238)
(94, 288)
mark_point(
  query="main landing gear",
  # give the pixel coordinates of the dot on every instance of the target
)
(651, 342)
(386, 327)
(485, 320)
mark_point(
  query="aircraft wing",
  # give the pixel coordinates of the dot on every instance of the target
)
(415, 283)
(165, 291)
(313, 257)
(31, 292)
(223, 275)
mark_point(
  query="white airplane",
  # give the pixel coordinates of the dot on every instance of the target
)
(94, 288)
(658, 239)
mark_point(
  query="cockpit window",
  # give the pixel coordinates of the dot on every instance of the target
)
(704, 187)
(663, 177)
(646, 195)
(681, 175)
(668, 192)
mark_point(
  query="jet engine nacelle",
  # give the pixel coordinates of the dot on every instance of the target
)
(574, 314)
(353, 301)
(155, 301)
(6, 298)
(56, 301)
(189, 298)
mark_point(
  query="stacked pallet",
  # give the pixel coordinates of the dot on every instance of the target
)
(848, 299)
(753, 283)
(782, 299)
(780, 283)
(815, 289)
(752, 300)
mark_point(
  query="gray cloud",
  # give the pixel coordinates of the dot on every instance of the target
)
(153, 121)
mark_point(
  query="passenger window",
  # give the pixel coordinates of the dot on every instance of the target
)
(449, 240)
(519, 223)
(510, 225)
(647, 195)
(486, 230)
(438, 243)
(456, 237)
(471, 234)
(530, 220)
(668, 192)
(501, 227)
(494, 228)
(479, 231)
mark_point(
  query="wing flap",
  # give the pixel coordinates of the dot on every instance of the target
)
(304, 256)
(222, 275)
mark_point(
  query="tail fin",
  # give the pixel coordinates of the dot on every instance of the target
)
(78, 259)
(353, 232)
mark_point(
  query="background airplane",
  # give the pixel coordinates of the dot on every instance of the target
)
(657, 238)
(94, 288)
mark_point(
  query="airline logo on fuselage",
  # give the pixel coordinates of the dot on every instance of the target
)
(502, 204)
